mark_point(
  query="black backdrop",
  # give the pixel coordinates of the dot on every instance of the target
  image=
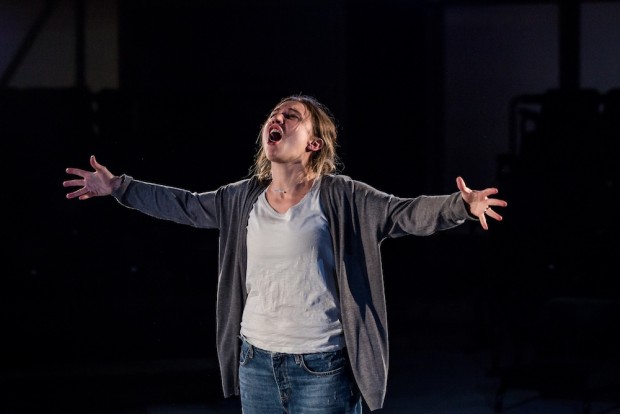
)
(92, 282)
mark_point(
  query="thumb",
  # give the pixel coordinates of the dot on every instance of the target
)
(94, 163)
(460, 183)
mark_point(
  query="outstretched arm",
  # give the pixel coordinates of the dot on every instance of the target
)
(100, 182)
(479, 203)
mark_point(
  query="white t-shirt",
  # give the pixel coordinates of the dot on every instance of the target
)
(292, 303)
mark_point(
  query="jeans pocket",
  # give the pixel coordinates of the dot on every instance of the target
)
(246, 354)
(324, 363)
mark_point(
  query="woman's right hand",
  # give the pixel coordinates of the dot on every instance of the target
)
(100, 182)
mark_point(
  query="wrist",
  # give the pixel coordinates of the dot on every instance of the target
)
(117, 182)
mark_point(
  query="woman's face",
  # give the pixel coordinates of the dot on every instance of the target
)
(287, 134)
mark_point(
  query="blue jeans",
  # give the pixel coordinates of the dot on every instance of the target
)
(319, 383)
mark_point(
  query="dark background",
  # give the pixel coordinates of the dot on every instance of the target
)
(94, 290)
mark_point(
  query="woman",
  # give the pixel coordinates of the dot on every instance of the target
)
(300, 280)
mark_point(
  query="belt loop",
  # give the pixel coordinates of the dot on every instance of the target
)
(298, 359)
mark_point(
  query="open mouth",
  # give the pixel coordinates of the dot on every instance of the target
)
(275, 135)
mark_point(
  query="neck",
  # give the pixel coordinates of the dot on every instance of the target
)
(292, 184)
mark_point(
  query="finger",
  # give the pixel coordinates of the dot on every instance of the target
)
(489, 191)
(497, 202)
(483, 222)
(95, 164)
(460, 183)
(77, 171)
(88, 194)
(491, 213)
(73, 183)
(77, 193)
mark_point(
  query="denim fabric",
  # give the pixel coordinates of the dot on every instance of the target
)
(319, 383)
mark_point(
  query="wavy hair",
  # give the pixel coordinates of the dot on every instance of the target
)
(323, 161)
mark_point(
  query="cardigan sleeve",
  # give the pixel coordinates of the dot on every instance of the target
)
(170, 203)
(393, 216)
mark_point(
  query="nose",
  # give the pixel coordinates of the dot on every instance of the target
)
(277, 118)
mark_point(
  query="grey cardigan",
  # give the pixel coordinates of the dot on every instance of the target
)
(360, 218)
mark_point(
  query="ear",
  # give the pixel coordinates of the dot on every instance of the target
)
(315, 144)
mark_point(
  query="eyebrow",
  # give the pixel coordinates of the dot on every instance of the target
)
(288, 109)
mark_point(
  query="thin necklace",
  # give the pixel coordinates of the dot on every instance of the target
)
(283, 190)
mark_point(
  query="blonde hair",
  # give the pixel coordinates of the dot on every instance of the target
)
(323, 161)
